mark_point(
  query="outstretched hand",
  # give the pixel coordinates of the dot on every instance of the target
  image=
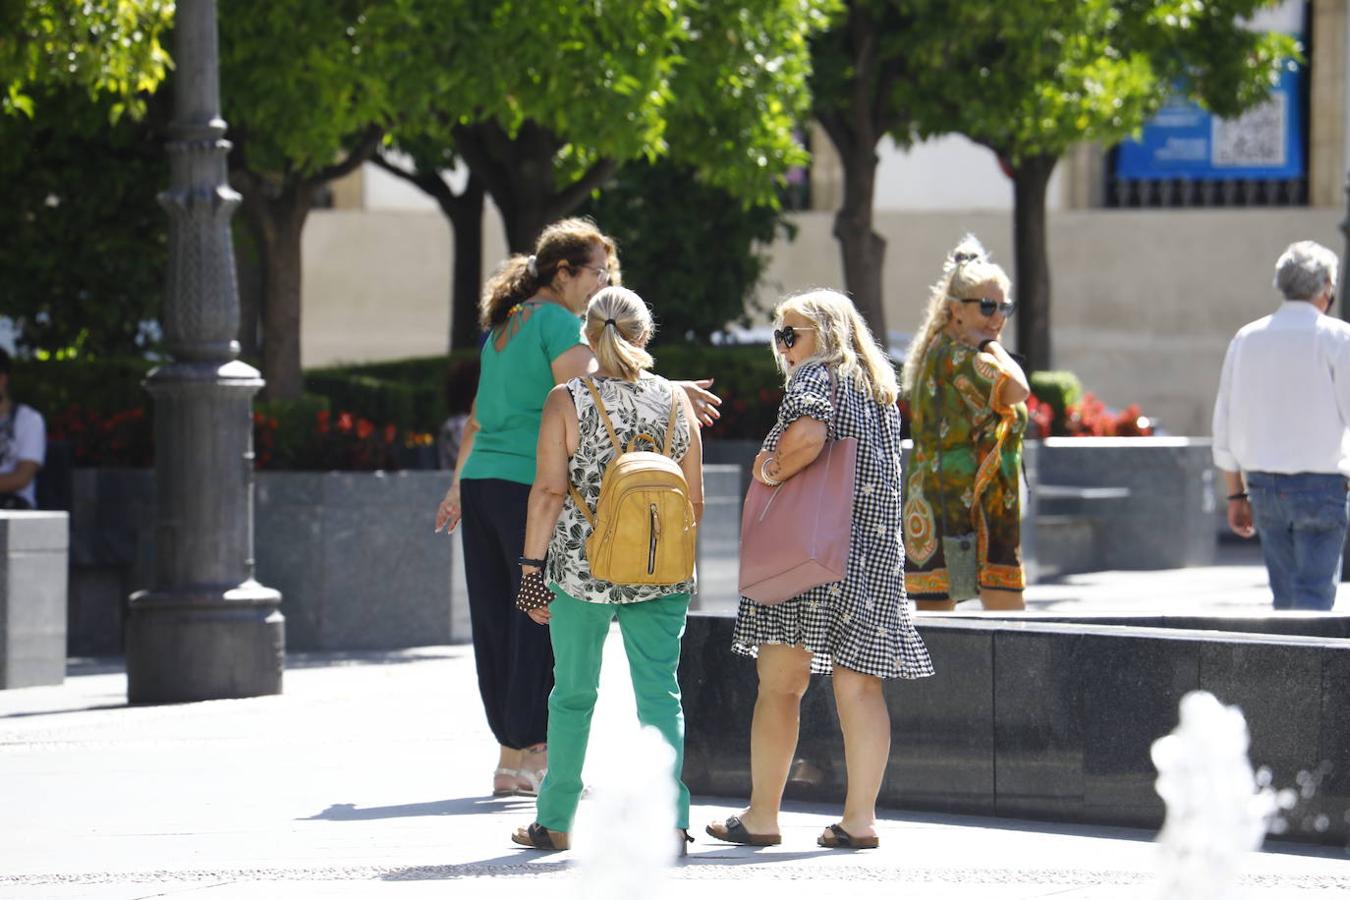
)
(705, 402)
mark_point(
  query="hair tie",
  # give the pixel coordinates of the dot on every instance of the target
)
(612, 322)
(964, 257)
(532, 266)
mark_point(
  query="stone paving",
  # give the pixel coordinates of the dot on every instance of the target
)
(368, 777)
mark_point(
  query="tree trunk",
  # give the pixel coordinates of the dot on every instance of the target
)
(863, 250)
(466, 280)
(248, 262)
(464, 211)
(1031, 286)
(518, 173)
(278, 223)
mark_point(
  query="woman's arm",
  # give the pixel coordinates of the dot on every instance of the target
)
(449, 511)
(692, 463)
(573, 363)
(799, 446)
(1013, 388)
(550, 481)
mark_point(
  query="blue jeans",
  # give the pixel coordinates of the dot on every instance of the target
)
(1301, 520)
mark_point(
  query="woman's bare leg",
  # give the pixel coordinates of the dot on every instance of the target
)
(993, 598)
(784, 673)
(866, 724)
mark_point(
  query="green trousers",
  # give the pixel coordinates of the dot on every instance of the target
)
(651, 639)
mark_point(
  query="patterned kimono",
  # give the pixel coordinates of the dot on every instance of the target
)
(963, 476)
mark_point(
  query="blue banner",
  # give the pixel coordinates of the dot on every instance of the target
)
(1184, 141)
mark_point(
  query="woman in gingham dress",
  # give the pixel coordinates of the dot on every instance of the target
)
(840, 384)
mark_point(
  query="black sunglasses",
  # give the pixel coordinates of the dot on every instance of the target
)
(787, 335)
(989, 306)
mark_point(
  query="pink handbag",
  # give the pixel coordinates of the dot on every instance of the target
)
(796, 536)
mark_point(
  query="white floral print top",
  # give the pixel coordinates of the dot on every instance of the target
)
(641, 407)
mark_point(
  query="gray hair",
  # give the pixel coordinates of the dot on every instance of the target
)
(1304, 269)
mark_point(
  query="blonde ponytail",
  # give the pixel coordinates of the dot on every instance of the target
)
(618, 326)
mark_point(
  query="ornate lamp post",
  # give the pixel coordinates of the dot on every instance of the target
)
(206, 629)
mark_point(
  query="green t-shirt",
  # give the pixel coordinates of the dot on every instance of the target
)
(513, 384)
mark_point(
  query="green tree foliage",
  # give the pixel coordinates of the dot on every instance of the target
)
(83, 258)
(1030, 78)
(694, 251)
(105, 47)
(717, 86)
(308, 88)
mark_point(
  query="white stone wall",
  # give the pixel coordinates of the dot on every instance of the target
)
(1145, 301)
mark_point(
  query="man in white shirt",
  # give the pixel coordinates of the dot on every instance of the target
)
(1280, 431)
(23, 446)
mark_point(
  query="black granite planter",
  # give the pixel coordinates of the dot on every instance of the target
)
(1050, 720)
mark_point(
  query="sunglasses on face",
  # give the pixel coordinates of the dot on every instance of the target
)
(989, 306)
(787, 335)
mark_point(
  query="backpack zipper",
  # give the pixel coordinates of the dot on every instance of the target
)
(654, 532)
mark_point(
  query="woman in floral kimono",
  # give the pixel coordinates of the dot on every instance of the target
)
(966, 396)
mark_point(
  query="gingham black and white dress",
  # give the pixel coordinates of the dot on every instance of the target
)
(862, 622)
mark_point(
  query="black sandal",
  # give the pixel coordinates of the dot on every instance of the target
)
(537, 837)
(837, 838)
(734, 832)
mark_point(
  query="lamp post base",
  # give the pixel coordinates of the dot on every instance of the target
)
(186, 645)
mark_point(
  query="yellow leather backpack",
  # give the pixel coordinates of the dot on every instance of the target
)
(643, 527)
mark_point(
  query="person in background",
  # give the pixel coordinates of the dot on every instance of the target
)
(967, 398)
(460, 384)
(839, 384)
(575, 448)
(1280, 431)
(23, 444)
(531, 313)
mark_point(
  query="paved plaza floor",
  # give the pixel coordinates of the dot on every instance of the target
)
(369, 777)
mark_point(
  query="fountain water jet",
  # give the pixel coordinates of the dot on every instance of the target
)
(1217, 809)
(624, 834)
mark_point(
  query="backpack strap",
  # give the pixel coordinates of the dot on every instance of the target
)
(670, 425)
(614, 438)
(604, 415)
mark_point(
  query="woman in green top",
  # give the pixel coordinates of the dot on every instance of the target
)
(966, 395)
(531, 313)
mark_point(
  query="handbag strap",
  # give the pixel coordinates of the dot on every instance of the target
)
(834, 404)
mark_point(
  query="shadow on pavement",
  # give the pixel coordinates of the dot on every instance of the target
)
(726, 855)
(512, 864)
(312, 659)
(61, 712)
(458, 806)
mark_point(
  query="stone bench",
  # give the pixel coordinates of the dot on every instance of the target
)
(1069, 523)
(1050, 718)
(33, 550)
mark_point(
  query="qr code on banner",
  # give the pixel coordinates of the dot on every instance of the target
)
(1255, 138)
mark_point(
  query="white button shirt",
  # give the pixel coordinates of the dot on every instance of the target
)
(1284, 395)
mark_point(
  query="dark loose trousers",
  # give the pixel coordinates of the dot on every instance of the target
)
(513, 654)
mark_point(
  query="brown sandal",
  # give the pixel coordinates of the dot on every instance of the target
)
(734, 832)
(537, 837)
(837, 838)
